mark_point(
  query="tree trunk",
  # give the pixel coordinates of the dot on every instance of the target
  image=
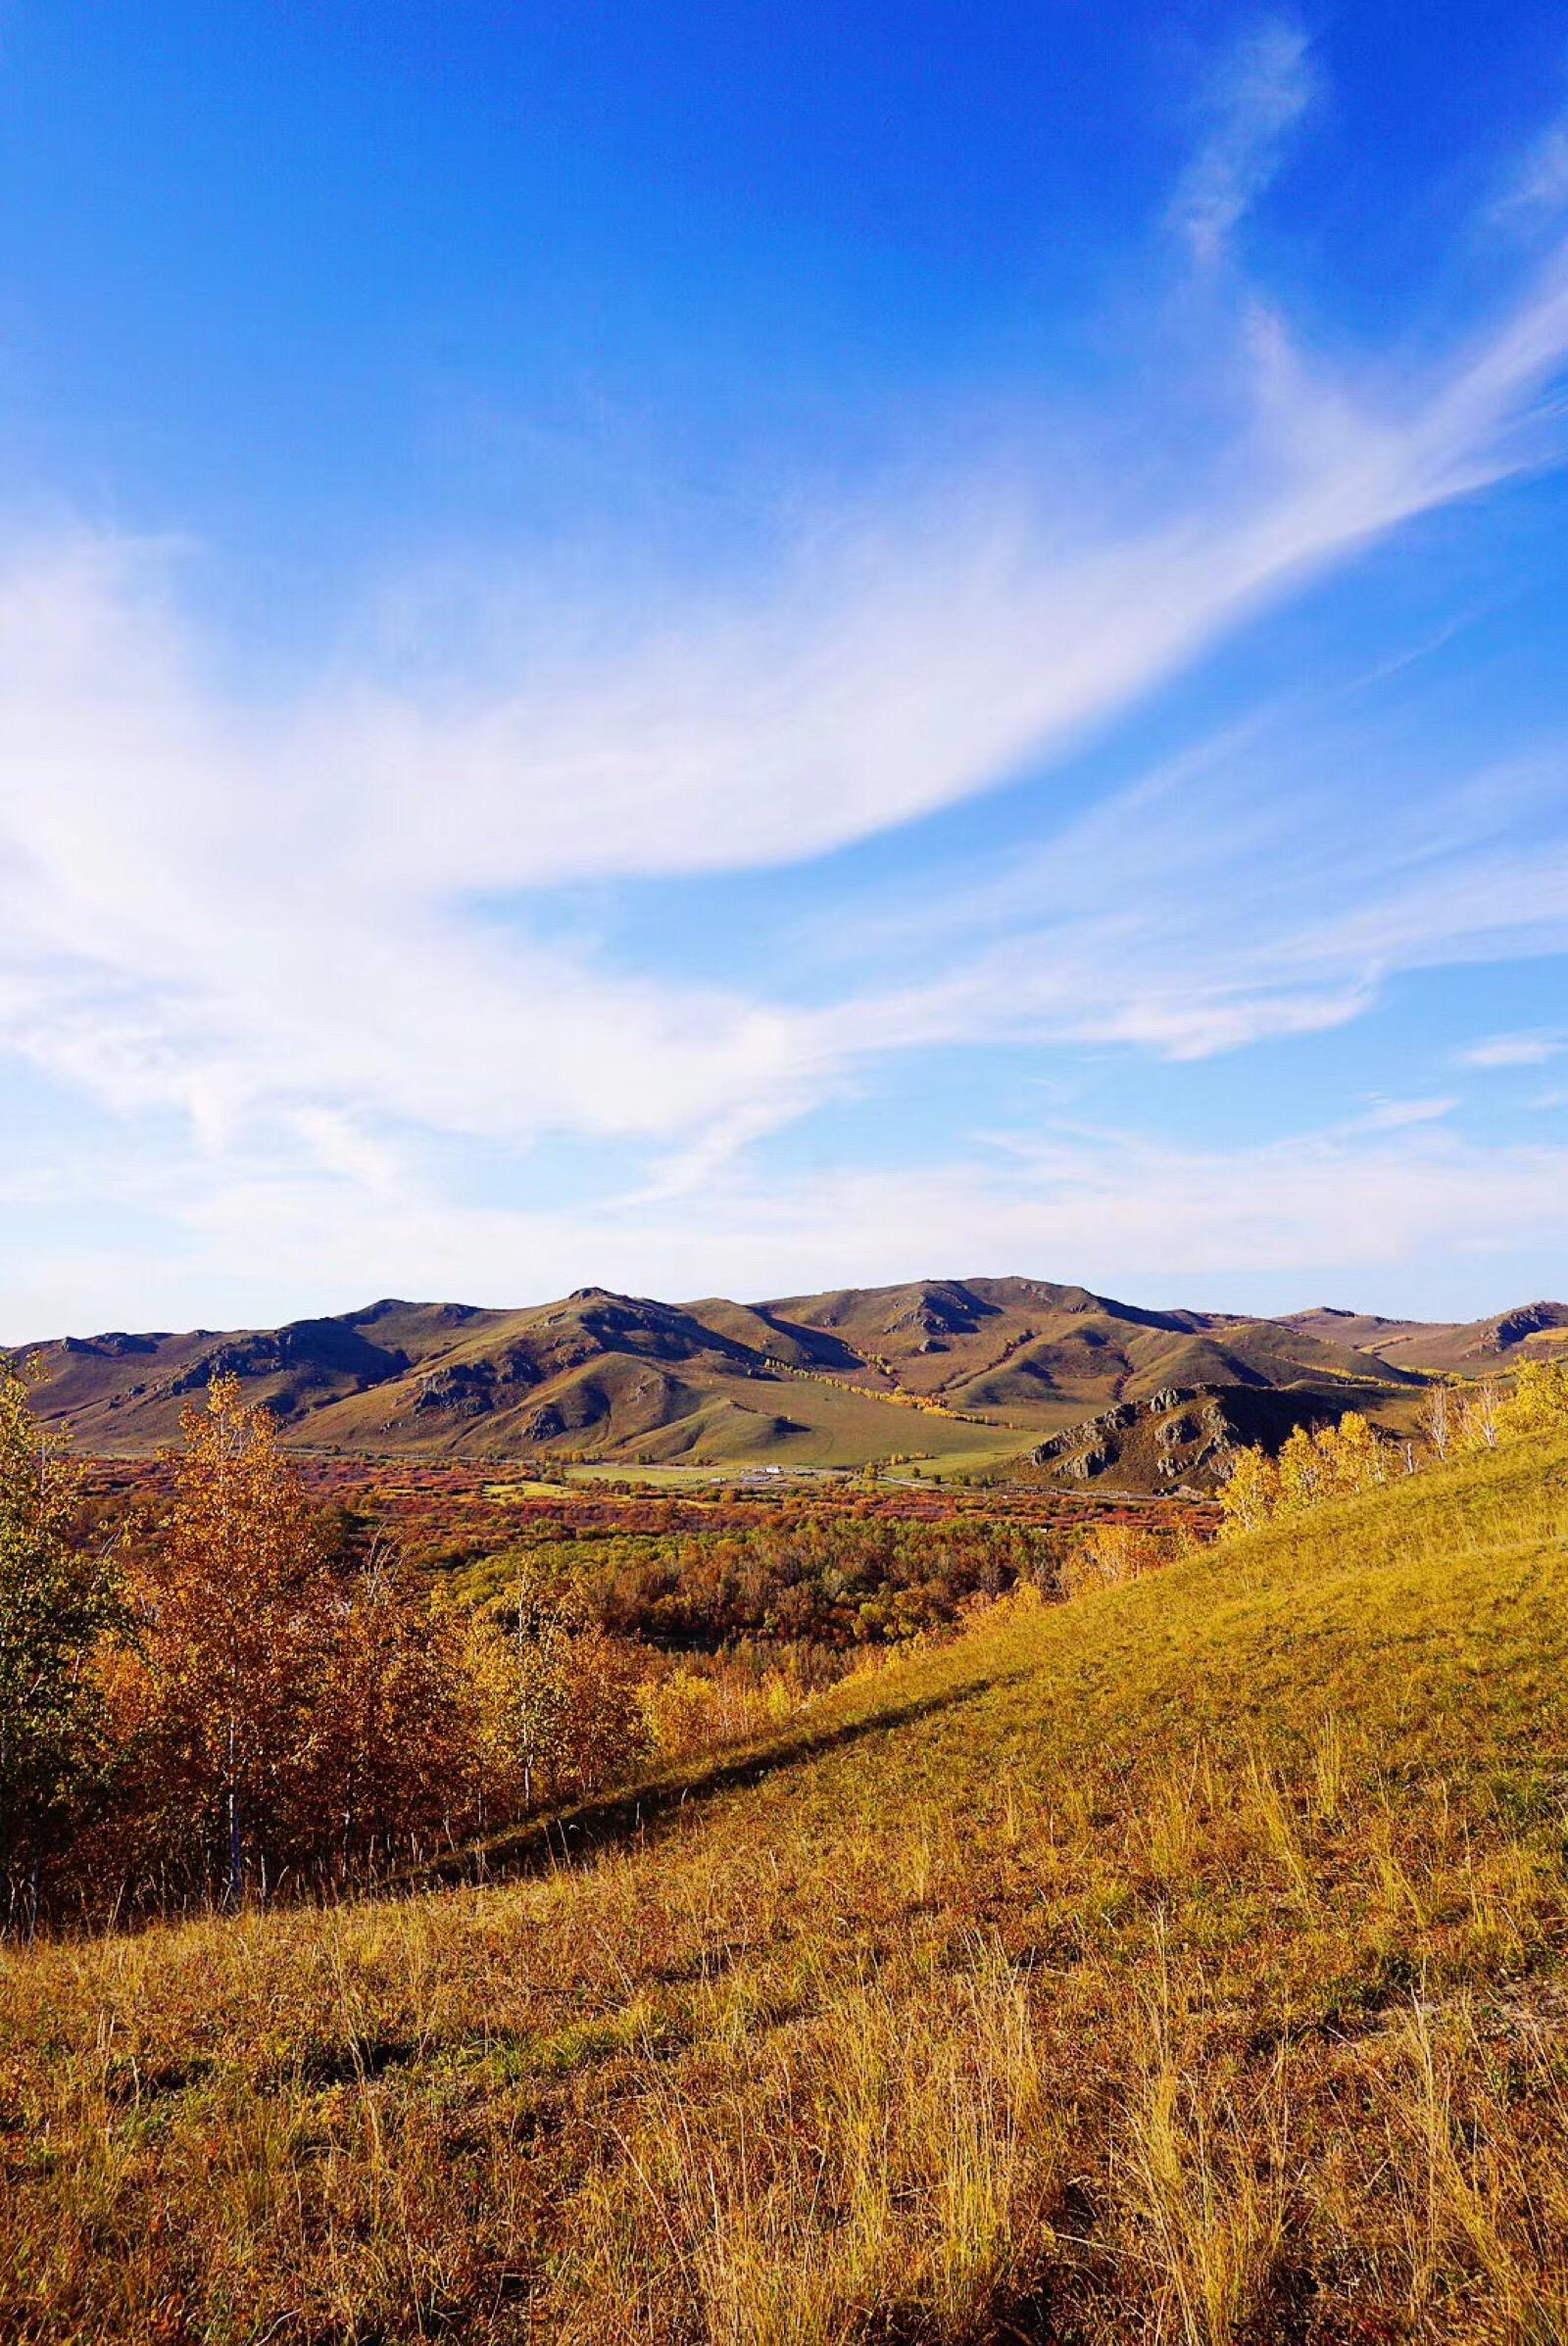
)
(236, 1853)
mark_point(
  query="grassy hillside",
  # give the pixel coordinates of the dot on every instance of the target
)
(1187, 1961)
(1463, 1348)
(616, 1376)
(1039, 1354)
(939, 1368)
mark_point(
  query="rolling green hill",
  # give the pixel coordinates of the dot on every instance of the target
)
(938, 1369)
(1188, 1960)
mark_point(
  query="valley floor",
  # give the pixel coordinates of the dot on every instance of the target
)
(1184, 1962)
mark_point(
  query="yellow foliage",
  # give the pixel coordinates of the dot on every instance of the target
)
(1536, 1405)
(1326, 1462)
(679, 1711)
(1538, 1402)
(692, 1710)
(1333, 1462)
(1111, 1553)
(1250, 1495)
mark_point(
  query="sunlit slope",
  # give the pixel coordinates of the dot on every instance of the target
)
(617, 1375)
(1188, 1960)
(1041, 1355)
(1471, 1348)
(944, 1368)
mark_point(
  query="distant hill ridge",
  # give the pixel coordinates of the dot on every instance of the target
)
(950, 1369)
(1470, 1347)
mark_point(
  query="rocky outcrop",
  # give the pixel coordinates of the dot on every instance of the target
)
(1185, 1439)
(310, 1354)
(1517, 1326)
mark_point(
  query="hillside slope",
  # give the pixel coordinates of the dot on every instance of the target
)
(614, 1375)
(1183, 1440)
(1188, 1960)
(939, 1368)
(1463, 1348)
(1026, 1349)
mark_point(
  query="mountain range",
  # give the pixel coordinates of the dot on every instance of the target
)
(949, 1370)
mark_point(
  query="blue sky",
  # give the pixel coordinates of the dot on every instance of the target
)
(731, 650)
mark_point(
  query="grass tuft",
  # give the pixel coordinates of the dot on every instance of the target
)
(1186, 1963)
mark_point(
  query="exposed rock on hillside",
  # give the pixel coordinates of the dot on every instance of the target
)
(935, 1371)
(1185, 1440)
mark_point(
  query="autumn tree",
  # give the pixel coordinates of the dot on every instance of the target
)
(526, 1687)
(1251, 1492)
(57, 1597)
(1439, 1419)
(1355, 1458)
(680, 1709)
(295, 1700)
(1316, 1464)
(560, 1697)
(1481, 1422)
(605, 1729)
(389, 1760)
(1478, 1418)
(1330, 1462)
(235, 1628)
(1113, 1552)
(1538, 1402)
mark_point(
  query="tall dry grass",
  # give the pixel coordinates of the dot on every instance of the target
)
(1183, 1963)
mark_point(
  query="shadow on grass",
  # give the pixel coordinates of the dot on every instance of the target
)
(638, 1811)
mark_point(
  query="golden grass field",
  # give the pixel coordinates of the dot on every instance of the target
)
(1185, 1962)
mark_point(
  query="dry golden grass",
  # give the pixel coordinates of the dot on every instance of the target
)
(1184, 1963)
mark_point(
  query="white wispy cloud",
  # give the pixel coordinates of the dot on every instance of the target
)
(1514, 1050)
(1353, 1209)
(220, 909)
(1256, 101)
(1538, 187)
(305, 927)
(1241, 912)
(1396, 1115)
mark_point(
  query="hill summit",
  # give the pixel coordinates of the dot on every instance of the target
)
(941, 1369)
